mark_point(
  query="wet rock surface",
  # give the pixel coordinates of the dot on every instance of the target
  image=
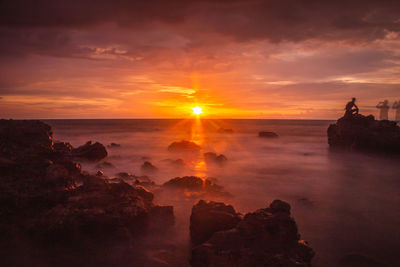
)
(364, 133)
(210, 217)
(267, 135)
(266, 237)
(48, 202)
(183, 146)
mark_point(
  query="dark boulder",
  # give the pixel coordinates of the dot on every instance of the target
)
(148, 167)
(210, 217)
(267, 135)
(184, 146)
(364, 133)
(213, 158)
(266, 237)
(90, 152)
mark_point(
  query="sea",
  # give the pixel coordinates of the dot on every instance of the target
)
(346, 204)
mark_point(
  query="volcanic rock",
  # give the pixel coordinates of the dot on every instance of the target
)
(267, 135)
(364, 133)
(90, 152)
(210, 217)
(266, 237)
(183, 146)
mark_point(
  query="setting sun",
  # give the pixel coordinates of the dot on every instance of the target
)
(197, 110)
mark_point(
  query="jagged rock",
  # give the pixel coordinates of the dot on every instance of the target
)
(184, 146)
(266, 237)
(147, 167)
(267, 135)
(364, 133)
(41, 201)
(113, 145)
(89, 151)
(211, 157)
(210, 217)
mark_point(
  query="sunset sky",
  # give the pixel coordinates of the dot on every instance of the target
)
(233, 58)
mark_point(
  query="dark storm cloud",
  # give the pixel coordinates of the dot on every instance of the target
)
(293, 20)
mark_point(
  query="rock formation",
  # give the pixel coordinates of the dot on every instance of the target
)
(195, 184)
(211, 157)
(183, 146)
(48, 201)
(266, 237)
(210, 217)
(364, 133)
(148, 167)
(89, 151)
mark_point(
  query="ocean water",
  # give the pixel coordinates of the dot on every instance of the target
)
(342, 202)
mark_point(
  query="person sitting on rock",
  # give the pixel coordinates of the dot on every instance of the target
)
(349, 108)
(384, 110)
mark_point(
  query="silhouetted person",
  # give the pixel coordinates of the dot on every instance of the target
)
(396, 106)
(351, 108)
(384, 110)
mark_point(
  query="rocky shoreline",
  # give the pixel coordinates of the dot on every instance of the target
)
(50, 207)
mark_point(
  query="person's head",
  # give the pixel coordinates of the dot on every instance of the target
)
(353, 99)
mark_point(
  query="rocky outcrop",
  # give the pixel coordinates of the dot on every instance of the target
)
(364, 133)
(90, 152)
(266, 237)
(148, 167)
(213, 158)
(47, 200)
(184, 146)
(195, 184)
(267, 135)
(210, 217)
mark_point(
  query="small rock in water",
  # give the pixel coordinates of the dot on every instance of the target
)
(147, 167)
(113, 145)
(184, 146)
(211, 157)
(267, 135)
